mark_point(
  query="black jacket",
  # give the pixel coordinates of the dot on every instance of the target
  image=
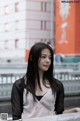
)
(17, 98)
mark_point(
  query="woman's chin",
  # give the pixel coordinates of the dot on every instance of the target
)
(45, 69)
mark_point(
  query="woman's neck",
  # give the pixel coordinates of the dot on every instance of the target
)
(41, 73)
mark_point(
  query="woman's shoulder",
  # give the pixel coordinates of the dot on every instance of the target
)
(58, 83)
(19, 83)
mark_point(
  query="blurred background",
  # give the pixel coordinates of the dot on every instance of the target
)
(26, 22)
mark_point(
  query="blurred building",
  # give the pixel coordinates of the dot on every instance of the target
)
(23, 23)
(12, 28)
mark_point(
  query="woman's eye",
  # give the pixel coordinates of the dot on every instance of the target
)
(46, 57)
(50, 57)
(43, 56)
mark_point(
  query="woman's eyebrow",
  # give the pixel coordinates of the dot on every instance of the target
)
(45, 54)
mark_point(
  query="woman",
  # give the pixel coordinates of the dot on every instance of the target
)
(38, 93)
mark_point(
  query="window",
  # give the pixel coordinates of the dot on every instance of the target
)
(43, 40)
(43, 24)
(16, 25)
(16, 43)
(43, 6)
(6, 44)
(6, 9)
(6, 27)
(16, 7)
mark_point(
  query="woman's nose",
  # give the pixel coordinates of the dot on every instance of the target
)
(47, 59)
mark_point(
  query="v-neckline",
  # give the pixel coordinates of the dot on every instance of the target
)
(42, 96)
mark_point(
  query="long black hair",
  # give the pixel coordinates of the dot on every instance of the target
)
(32, 68)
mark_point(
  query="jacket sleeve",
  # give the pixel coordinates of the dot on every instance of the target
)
(59, 104)
(16, 102)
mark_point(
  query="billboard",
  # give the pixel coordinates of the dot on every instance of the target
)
(67, 27)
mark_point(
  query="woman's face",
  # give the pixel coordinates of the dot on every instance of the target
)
(44, 60)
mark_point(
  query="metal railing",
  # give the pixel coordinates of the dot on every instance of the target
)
(71, 82)
(62, 117)
(6, 82)
(67, 66)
